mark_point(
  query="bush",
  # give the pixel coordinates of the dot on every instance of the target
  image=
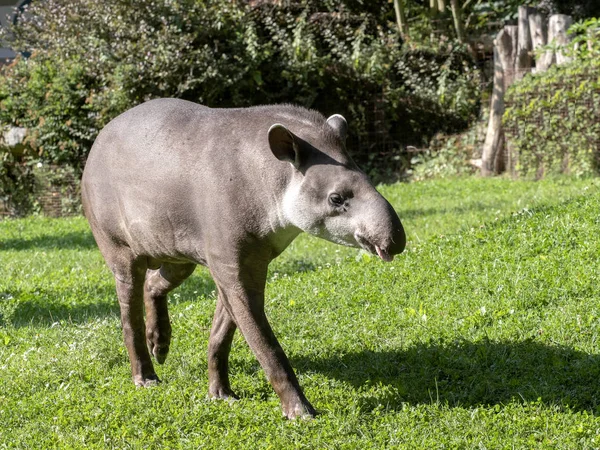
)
(93, 60)
(552, 119)
(16, 185)
(451, 155)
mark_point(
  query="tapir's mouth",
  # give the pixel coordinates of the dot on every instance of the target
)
(384, 254)
(374, 248)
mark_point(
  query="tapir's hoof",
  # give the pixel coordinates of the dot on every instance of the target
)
(222, 393)
(299, 411)
(159, 352)
(149, 381)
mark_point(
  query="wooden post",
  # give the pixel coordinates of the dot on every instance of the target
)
(557, 33)
(494, 138)
(512, 58)
(539, 38)
(505, 51)
(507, 46)
(524, 45)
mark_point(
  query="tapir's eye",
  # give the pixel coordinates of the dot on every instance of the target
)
(336, 200)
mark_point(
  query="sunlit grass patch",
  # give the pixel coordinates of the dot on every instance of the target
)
(484, 333)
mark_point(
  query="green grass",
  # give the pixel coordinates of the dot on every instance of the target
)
(483, 334)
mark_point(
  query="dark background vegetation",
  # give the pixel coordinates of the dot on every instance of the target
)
(89, 61)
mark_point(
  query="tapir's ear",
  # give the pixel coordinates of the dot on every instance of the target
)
(339, 125)
(283, 145)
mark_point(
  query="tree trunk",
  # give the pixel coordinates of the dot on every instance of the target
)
(557, 33)
(539, 38)
(458, 25)
(507, 47)
(505, 51)
(494, 138)
(524, 46)
(442, 6)
(401, 18)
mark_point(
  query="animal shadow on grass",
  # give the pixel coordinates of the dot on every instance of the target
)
(78, 305)
(74, 240)
(469, 374)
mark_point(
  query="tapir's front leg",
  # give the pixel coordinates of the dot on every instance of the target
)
(242, 294)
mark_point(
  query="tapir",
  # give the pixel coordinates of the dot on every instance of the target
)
(171, 184)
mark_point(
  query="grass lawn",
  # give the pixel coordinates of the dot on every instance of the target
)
(485, 333)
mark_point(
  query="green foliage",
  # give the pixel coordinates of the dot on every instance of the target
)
(57, 190)
(51, 104)
(431, 27)
(16, 185)
(483, 334)
(579, 9)
(92, 60)
(553, 119)
(450, 155)
(449, 159)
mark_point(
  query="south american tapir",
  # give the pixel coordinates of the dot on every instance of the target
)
(171, 184)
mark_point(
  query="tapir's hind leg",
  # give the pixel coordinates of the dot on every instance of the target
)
(130, 272)
(159, 283)
(219, 345)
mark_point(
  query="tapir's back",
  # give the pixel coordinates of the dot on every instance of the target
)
(149, 140)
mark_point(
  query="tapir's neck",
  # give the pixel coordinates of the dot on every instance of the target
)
(278, 231)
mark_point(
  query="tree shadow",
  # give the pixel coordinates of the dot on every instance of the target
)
(75, 240)
(469, 374)
(45, 307)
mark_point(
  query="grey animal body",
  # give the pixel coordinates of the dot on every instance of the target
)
(171, 184)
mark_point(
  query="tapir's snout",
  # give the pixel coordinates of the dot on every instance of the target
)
(395, 241)
(384, 236)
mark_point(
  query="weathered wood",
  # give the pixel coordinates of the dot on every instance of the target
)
(494, 138)
(505, 56)
(539, 38)
(557, 34)
(506, 42)
(524, 44)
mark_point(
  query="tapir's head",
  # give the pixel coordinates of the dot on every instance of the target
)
(328, 196)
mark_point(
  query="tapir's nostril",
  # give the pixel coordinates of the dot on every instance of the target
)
(399, 241)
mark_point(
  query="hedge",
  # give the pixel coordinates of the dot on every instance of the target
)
(92, 60)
